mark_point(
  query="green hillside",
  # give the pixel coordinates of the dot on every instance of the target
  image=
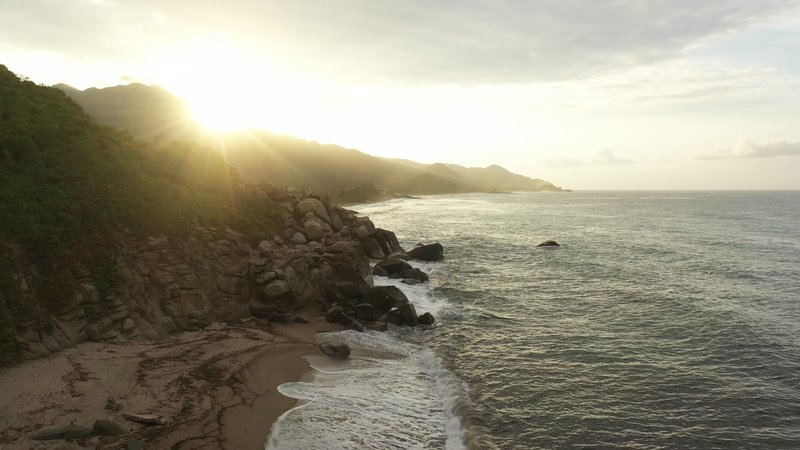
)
(69, 187)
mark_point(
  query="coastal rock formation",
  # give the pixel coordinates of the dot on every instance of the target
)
(429, 252)
(336, 349)
(169, 284)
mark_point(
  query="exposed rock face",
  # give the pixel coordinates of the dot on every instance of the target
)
(429, 252)
(165, 285)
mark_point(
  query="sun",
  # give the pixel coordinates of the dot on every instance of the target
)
(226, 87)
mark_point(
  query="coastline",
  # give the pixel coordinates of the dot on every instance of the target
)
(216, 387)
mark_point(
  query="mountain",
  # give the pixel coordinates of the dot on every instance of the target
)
(348, 175)
(108, 238)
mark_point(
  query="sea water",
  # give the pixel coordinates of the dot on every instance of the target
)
(665, 320)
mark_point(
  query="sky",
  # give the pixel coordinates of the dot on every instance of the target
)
(588, 94)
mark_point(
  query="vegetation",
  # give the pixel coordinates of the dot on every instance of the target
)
(70, 187)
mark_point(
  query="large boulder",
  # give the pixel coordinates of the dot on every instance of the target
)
(394, 317)
(390, 239)
(313, 229)
(429, 252)
(393, 265)
(298, 239)
(409, 314)
(410, 274)
(384, 298)
(372, 248)
(366, 311)
(349, 282)
(276, 289)
(314, 206)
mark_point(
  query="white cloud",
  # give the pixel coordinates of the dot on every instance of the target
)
(748, 149)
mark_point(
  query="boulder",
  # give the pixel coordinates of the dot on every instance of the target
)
(379, 271)
(366, 311)
(384, 298)
(335, 349)
(409, 314)
(393, 265)
(549, 243)
(61, 432)
(349, 281)
(411, 281)
(108, 428)
(394, 317)
(429, 252)
(426, 319)
(313, 229)
(298, 239)
(314, 206)
(372, 248)
(411, 274)
(390, 239)
(276, 289)
(333, 313)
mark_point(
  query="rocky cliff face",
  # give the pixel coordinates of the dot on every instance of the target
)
(169, 284)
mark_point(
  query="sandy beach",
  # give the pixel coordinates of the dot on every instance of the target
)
(216, 388)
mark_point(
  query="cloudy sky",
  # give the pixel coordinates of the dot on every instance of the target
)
(605, 94)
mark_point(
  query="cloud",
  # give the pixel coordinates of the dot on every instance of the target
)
(413, 41)
(748, 149)
(603, 157)
(606, 157)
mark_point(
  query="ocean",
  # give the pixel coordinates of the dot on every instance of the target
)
(666, 320)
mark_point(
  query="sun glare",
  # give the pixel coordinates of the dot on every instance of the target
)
(228, 88)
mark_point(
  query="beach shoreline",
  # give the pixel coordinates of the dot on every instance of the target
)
(216, 388)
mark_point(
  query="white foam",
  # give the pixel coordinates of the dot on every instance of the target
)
(390, 394)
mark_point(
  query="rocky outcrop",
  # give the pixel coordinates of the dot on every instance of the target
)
(165, 284)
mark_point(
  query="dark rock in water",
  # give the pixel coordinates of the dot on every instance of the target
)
(108, 428)
(366, 311)
(384, 298)
(394, 317)
(549, 243)
(379, 271)
(393, 265)
(61, 432)
(426, 319)
(390, 239)
(411, 281)
(414, 273)
(335, 349)
(430, 252)
(356, 326)
(376, 325)
(409, 314)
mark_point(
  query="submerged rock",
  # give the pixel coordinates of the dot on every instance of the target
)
(61, 432)
(549, 243)
(335, 349)
(426, 319)
(108, 428)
